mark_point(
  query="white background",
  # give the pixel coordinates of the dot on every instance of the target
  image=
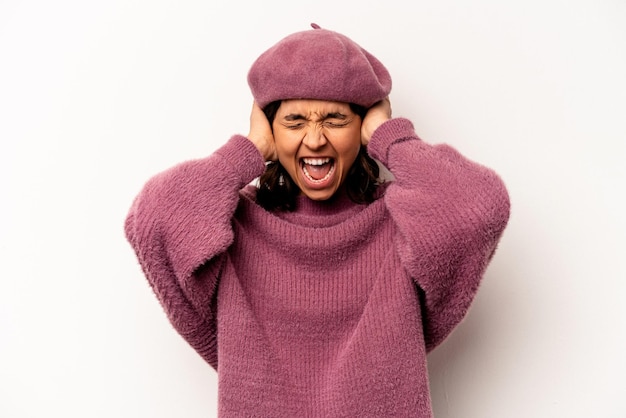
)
(95, 97)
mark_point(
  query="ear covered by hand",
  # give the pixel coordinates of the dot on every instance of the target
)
(261, 133)
(376, 116)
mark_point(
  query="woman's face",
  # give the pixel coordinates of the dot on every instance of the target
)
(317, 142)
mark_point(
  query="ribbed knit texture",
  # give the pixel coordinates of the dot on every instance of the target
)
(327, 311)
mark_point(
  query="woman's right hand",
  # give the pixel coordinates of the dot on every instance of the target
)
(261, 133)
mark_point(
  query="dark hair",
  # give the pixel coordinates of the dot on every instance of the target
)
(277, 190)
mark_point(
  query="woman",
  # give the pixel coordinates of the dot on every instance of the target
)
(319, 291)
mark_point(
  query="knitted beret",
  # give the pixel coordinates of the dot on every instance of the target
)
(318, 64)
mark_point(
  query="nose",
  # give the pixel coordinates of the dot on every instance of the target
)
(314, 138)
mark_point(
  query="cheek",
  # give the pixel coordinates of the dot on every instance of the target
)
(348, 149)
(350, 158)
(286, 149)
(284, 143)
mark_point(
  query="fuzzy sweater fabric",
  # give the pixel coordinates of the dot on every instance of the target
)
(330, 310)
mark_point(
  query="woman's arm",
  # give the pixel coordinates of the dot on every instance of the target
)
(180, 227)
(450, 213)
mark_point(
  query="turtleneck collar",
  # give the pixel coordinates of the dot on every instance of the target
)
(318, 213)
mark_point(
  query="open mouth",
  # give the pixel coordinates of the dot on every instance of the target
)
(317, 170)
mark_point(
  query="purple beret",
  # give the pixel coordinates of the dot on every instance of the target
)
(318, 64)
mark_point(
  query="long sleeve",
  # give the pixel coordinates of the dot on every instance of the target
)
(450, 214)
(180, 227)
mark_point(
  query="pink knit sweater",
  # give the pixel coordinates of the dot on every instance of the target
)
(327, 311)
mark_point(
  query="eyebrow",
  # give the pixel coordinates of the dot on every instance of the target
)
(331, 115)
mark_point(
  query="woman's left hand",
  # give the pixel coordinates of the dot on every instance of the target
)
(376, 116)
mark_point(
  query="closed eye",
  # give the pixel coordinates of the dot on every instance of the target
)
(293, 125)
(334, 124)
(336, 120)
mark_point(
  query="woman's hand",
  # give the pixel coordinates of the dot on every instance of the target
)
(376, 116)
(261, 134)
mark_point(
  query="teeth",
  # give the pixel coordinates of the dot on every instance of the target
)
(316, 161)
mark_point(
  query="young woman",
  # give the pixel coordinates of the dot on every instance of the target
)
(319, 290)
